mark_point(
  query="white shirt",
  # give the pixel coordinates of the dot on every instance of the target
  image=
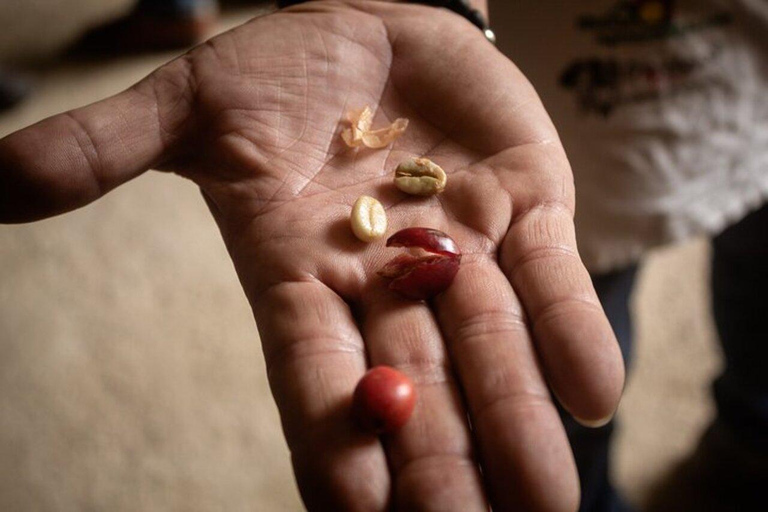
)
(662, 107)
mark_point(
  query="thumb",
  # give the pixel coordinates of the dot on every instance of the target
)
(68, 160)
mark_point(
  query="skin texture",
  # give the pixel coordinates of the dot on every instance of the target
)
(253, 117)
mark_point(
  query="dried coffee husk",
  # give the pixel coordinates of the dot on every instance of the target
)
(360, 134)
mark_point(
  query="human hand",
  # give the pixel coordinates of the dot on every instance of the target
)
(253, 117)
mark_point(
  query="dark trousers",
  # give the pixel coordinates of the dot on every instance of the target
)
(739, 279)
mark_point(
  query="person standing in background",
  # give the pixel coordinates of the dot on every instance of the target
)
(662, 108)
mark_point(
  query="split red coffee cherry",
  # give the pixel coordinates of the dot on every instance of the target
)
(422, 277)
(383, 401)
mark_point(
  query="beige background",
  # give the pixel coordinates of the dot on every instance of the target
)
(130, 371)
(37, 28)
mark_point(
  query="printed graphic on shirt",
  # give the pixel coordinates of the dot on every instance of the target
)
(632, 21)
(602, 84)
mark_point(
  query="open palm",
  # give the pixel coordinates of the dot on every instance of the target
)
(253, 116)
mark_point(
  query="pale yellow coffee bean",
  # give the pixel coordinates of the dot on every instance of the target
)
(420, 177)
(368, 219)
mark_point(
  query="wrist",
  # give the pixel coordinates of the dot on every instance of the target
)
(480, 5)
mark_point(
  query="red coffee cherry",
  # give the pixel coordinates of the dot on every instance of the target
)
(422, 278)
(384, 400)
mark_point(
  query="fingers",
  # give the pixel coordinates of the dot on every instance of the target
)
(315, 357)
(578, 349)
(71, 159)
(431, 456)
(524, 450)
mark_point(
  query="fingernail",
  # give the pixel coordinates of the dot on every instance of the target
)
(595, 423)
